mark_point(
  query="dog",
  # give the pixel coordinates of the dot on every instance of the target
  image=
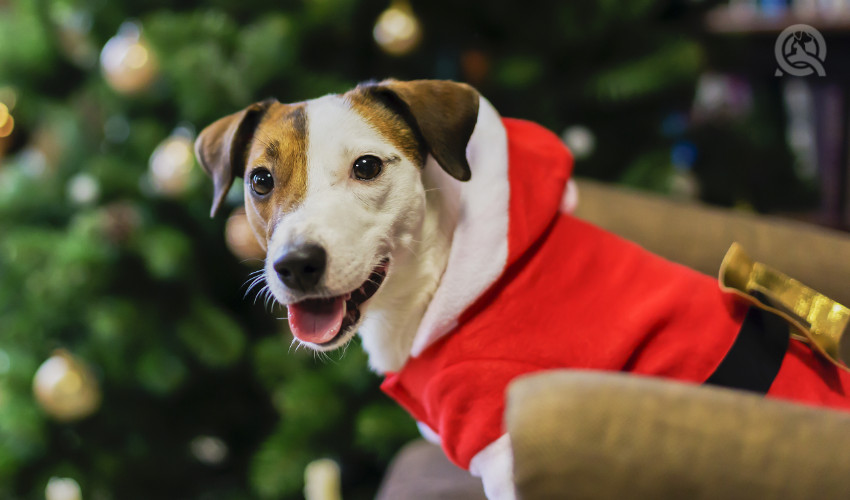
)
(413, 214)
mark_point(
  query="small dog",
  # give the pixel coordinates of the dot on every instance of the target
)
(413, 214)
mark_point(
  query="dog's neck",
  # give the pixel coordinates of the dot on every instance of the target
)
(419, 301)
(388, 329)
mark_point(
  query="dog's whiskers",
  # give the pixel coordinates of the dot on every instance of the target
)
(323, 357)
(252, 284)
(253, 276)
(343, 350)
(293, 343)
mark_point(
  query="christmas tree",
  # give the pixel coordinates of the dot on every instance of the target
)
(139, 357)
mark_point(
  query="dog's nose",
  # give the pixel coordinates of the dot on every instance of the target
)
(301, 267)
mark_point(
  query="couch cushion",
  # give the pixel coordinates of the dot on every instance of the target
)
(591, 435)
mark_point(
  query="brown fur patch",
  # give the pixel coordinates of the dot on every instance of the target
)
(388, 123)
(280, 145)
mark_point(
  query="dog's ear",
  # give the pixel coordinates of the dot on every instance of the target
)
(222, 147)
(442, 113)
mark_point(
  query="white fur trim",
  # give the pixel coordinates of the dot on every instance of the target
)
(428, 433)
(569, 201)
(495, 466)
(480, 242)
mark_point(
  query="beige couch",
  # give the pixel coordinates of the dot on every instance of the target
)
(583, 435)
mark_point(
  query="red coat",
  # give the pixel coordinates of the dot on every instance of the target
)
(571, 295)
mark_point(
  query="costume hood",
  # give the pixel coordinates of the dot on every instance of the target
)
(519, 174)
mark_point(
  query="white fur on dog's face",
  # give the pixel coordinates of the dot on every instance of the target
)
(359, 223)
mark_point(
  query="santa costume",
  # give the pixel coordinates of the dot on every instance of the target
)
(529, 287)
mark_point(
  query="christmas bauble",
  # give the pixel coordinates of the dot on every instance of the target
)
(7, 123)
(66, 388)
(170, 165)
(240, 237)
(127, 61)
(397, 30)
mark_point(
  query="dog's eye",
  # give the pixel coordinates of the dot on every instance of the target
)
(262, 181)
(367, 167)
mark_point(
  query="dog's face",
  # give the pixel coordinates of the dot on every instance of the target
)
(333, 189)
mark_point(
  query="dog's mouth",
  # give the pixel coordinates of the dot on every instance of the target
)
(323, 321)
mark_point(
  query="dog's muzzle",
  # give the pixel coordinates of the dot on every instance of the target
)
(323, 321)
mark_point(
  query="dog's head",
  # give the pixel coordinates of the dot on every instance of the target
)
(333, 189)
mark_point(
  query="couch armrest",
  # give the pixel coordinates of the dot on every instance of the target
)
(698, 236)
(592, 435)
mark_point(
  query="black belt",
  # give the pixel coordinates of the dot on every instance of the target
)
(754, 359)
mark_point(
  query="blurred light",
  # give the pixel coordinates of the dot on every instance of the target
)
(83, 189)
(209, 450)
(62, 488)
(683, 154)
(322, 480)
(397, 30)
(240, 237)
(580, 140)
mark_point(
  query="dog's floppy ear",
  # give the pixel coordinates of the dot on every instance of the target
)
(222, 147)
(442, 112)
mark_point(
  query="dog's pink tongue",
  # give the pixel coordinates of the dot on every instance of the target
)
(317, 321)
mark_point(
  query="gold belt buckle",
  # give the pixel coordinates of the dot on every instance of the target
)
(813, 317)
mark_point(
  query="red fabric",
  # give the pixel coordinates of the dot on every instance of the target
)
(575, 296)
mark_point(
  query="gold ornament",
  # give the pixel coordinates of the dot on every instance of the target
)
(240, 237)
(8, 98)
(66, 388)
(127, 62)
(397, 30)
(7, 123)
(170, 166)
(63, 488)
